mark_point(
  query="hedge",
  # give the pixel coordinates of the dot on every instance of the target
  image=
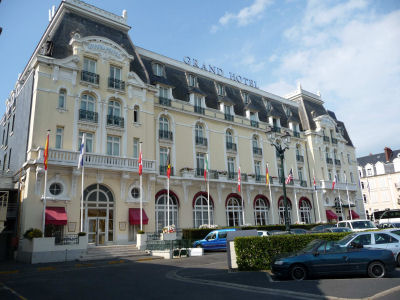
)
(257, 253)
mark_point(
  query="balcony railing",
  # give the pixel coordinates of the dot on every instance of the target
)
(231, 146)
(334, 141)
(115, 121)
(329, 160)
(254, 123)
(327, 184)
(296, 134)
(231, 175)
(165, 135)
(163, 170)
(199, 172)
(337, 162)
(201, 141)
(164, 101)
(257, 151)
(229, 117)
(90, 77)
(276, 129)
(303, 183)
(300, 158)
(260, 178)
(116, 83)
(87, 115)
(326, 138)
(199, 110)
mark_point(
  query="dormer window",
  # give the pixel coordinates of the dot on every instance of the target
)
(287, 110)
(246, 98)
(268, 105)
(192, 80)
(220, 89)
(158, 69)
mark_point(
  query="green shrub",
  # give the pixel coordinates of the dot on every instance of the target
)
(33, 233)
(140, 232)
(81, 233)
(257, 253)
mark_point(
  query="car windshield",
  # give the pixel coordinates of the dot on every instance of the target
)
(362, 224)
(311, 245)
(346, 239)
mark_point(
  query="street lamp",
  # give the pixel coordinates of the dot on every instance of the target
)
(271, 136)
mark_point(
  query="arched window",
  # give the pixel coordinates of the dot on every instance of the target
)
(234, 211)
(305, 210)
(62, 97)
(281, 209)
(327, 155)
(164, 124)
(87, 108)
(114, 108)
(162, 210)
(255, 141)
(261, 209)
(199, 131)
(229, 137)
(298, 150)
(136, 110)
(200, 210)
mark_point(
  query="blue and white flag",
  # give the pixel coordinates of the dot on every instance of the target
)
(82, 151)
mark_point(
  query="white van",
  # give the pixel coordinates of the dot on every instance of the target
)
(357, 225)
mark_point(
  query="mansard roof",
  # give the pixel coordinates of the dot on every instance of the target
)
(374, 158)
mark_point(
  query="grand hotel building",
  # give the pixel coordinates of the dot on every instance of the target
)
(87, 76)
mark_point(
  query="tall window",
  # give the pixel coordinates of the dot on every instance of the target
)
(192, 80)
(298, 150)
(88, 141)
(162, 211)
(228, 110)
(257, 168)
(163, 156)
(13, 123)
(163, 92)
(199, 131)
(261, 209)
(281, 209)
(330, 175)
(255, 141)
(158, 70)
(220, 89)
(246, 98)
(4, 162)
(200, 163)
(231, 166)
(229, 137)
(113, 143)
(300, 173)
(200, 211)
(327, 155)
(61, 98)
(197, 100)
(59, 137)
(89, 65)
(305, 211)
(135, 148)
(164, 124)
(351, 177)
(136, 110)
(253, 116)
(348, 158)
(115, 73)
(114, 108)
(87, 102)
(234, 212)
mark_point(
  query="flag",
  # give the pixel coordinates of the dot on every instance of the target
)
(82, 151)
(205, 167)
(315, 184)
(140, 162)
(334, 182)
(290, 177)
(168, 165)
(239, 180)
(266, 175)
(46, 152)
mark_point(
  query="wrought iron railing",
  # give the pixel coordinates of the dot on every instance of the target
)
(199, 110)
(87, 115)
(257, 151)
(115, 121)
(199, 172)
(254, 123)
(165, 134)
(231, 146)
(201, 141)
(260, 178)
(229, 117)
(232, 175)
(116, 83)
(276, 129)
(90, 77)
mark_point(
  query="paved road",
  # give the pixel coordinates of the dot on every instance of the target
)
(186, 278)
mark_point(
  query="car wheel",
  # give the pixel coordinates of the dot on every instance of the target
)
(298, 272)
(376, 269)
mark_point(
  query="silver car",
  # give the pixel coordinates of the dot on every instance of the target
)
(377, 239)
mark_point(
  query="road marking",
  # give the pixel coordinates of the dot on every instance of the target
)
(116, 262)
(3, 286)
(9, 272)
(385, 293)
(46, 268)
(148, 258)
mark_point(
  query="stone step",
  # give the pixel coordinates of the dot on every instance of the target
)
(113, 251)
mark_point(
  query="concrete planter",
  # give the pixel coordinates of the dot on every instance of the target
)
(166, 254)
(141, 241)
(170, 236)
(196, 251)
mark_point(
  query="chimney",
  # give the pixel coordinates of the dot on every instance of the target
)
(388, 153)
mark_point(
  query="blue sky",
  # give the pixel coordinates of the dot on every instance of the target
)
(347, 50)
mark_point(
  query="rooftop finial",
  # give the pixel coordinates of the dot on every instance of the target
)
(125, 14)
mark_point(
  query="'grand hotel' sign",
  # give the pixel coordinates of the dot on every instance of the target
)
(218, 71)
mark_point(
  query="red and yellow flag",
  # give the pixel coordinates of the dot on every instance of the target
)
(169, 165)
(239, 180)
(46, 152)
(266, 175)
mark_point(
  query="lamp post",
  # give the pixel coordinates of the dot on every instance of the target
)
(271, 136)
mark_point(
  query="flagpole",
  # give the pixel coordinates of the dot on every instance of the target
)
(140, 187)
(46, 154)
(83, 176)
(81, 164)
(340, 200)
(348, 197)
(270, 196)
(241, 194)
(208, 193)
(316, 193)
(295, 199)
(168, 192)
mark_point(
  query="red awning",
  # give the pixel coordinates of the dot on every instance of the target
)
(134, 216)
(331, 215)
(56, 216)
(354, 214)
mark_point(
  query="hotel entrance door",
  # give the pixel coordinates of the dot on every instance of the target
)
(97, 230)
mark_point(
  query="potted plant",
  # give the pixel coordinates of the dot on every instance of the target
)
(168, 233)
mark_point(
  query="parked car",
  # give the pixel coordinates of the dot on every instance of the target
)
(388, 225)
(263, 233)
(299, 231)
(215, 240)
(357, 225)
(377, 239)
(321, 257)
(320, 228)
(337, 229)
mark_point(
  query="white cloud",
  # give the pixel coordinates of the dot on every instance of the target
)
(245, 16)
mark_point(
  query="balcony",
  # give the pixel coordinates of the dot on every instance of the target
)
(337, 162)
(164, 101)
(90, 77)
(115, 121)
(329, 161)
(300, 158)
(326, 138)
(257, 151)
(334, 141)
(231, 175)
(201, 141)
(165, 135)
(199, 172)
(303, 183)
(296, 134)
(327, 184)
(229, 117)
(199, 110)
(260, 178)
(117, 84)
(254, 123)
(163, 170)
(231, 146)
(276, 129)
(87, 115)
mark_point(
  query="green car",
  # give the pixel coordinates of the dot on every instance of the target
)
(322, 257)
